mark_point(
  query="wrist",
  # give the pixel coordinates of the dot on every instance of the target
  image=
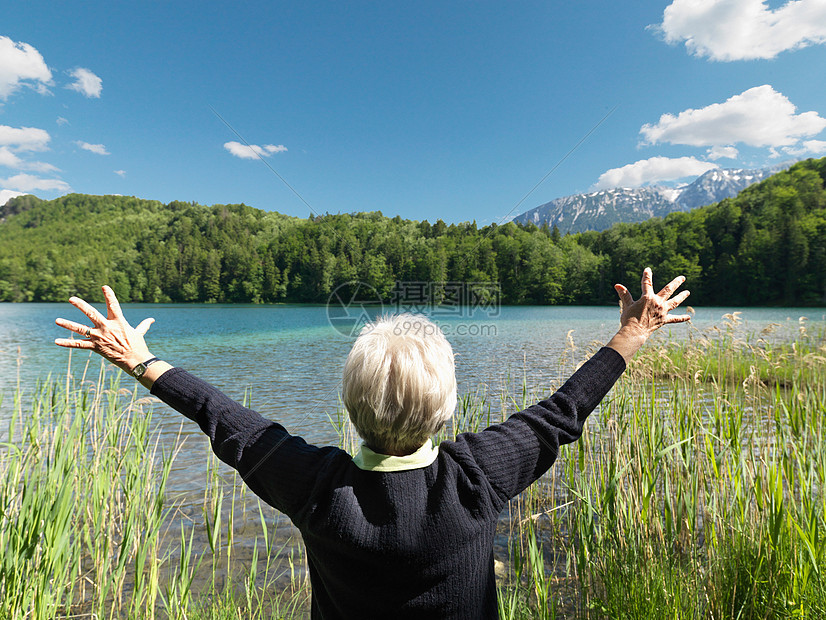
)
(627, 341)
(634, 333)
(139, 370)
(153, 372)
(146, 373)
(135, 359)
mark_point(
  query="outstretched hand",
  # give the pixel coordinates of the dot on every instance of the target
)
(111, 336)
(642, 317)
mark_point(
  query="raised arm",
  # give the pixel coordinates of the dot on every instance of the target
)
(114, 338)
(277, 466)
(516, 452)
(641, 318)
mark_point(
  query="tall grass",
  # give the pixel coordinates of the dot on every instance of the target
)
(86, 529)
(697, 491)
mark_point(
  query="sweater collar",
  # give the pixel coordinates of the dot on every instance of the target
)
(368, 460)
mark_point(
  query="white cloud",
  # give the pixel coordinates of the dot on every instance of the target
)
(743, 29)
(7, 194)
(28, 183)
(759, 116)
(253, 151)
(720, 152)
(9, 159)
(21, 64)
(120, 173)
(62, 121)
(98, 149)
(652, 170)
(86, 82)
(815, 146)
(24, 138)
(808, 147)
(39, 166)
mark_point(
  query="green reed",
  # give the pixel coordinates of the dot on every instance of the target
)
(86, 528)
(697, 491)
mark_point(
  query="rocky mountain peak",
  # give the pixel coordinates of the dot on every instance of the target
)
(602, 209)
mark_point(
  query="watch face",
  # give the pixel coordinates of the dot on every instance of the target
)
(138, 370)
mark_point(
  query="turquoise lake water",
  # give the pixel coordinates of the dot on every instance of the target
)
(288, 358)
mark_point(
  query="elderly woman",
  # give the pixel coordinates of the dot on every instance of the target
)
(404, 529)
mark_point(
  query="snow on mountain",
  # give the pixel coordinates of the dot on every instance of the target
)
(600, 210)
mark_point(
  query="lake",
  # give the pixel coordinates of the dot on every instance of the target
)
(288, 359)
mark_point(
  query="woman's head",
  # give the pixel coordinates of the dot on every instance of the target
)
(399, 383)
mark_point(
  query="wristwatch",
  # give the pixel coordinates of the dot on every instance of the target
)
(140, 369)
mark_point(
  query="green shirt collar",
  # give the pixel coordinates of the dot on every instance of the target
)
(368, 460)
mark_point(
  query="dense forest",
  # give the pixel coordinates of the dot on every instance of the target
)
(767, 246)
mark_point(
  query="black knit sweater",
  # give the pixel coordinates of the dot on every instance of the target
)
(404, 544)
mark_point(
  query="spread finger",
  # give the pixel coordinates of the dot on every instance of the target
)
(672, 286)
(74, 344)
(647, 281)
(72, 326)
(625, 297)
(673, 303)
(144, 326)
(96, 317)
(112, 303)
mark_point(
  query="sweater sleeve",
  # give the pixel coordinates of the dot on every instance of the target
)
(515, 453)
(280, 468)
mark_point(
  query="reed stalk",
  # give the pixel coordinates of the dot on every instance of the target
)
(697, 491)
(87, 529)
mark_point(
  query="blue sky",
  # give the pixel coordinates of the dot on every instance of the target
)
(452, 110)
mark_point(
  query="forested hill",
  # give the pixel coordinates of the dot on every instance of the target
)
(765, 246)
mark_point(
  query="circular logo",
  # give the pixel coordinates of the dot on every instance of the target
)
(351, 306)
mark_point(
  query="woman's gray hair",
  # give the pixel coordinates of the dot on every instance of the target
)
(399, 383)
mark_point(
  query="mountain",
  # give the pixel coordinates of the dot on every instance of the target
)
(602, 209)
(720, 183)
(765, 246)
